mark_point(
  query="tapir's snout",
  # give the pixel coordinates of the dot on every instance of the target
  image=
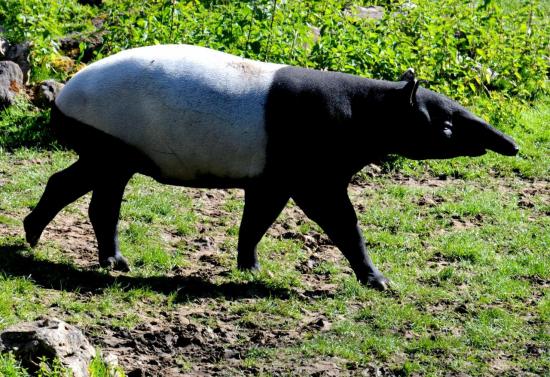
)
(499, 142)
(483, 135)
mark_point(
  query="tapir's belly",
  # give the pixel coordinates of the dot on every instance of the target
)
(195, 112)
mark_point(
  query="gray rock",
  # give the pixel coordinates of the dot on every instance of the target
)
(50, 338)
(407, 6)
(315, 33)
(45, 92)
(313, 37)
(372, 12)
(20, 54)
(11, 82)
(4, 46)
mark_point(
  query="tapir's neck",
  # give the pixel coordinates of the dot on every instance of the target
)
(326, 119)
(374, 99)
(377, 108)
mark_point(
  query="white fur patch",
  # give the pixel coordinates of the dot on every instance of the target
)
(192, 110)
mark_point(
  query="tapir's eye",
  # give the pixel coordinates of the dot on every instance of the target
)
(447, 129)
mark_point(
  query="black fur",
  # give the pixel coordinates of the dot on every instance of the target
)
(318, 123)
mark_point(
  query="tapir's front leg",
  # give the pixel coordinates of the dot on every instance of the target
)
(263, 202)
(104, 212)
(333, 211)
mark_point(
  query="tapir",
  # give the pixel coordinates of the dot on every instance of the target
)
(192, 116)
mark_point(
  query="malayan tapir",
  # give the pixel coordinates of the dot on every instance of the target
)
(192, 116)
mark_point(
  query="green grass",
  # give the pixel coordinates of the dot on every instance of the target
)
(466, 242)
(10, 367)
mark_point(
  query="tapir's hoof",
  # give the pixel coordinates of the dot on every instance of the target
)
(32, 235)
(379, 282)
(250, 267)
(116, 263)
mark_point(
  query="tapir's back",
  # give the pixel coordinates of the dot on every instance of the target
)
(194, 111)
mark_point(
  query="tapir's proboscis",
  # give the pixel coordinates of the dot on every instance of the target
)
(192, 116)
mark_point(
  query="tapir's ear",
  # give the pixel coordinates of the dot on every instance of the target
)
(408, 75)
(410, 90)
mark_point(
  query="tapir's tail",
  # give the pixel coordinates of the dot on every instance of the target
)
(80, 137)
(69, 132)
(98, 146)
(58, 126)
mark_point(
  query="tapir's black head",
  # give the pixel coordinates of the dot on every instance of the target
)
(433, 126)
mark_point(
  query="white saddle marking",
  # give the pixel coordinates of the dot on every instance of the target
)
(192, 110)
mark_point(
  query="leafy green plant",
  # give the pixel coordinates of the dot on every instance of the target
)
(10, 367)
(482, 49)
(24, 125)
(43, 23)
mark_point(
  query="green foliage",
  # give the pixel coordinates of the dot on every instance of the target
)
(23, 125)
(10, 367)
(461, 48)
(43, 23)
(480, 49)
(99, 368)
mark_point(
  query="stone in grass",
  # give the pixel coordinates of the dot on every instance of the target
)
(11, 83)
(374, 12)
(49, 338)
(45, 92)
(19, 54)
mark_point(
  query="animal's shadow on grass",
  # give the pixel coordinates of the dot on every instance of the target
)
(17, 261)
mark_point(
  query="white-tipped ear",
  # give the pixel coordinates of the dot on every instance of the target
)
(408, 75)
(410, 90)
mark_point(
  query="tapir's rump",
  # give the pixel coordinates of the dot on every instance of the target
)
(192, 110)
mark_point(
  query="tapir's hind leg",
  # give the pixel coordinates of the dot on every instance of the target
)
(104, 212)
(262, 204)
(63, 188)
(333, 211)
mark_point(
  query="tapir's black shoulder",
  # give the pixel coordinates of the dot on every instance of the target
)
(309, 119)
